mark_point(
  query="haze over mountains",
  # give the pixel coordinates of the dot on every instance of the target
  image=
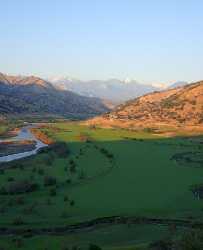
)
(32, 95)
(115, 90)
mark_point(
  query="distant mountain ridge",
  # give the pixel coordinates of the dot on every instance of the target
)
(24, 80)
(178, 84)
(178, 106)
(33, 95)
(114, 90)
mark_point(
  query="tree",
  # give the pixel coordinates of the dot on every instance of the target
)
(73, 169)
(52, 192)
(49, 181)
(94, 247)
(72, 203)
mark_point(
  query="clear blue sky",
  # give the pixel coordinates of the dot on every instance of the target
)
(151, 41)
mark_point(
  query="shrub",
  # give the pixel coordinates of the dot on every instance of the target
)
(49, 181)
(72, 162)
(10, 179)
(18, 221)
(18, 187)
(72, 168)
(68, 181)
(94, 247)
(72, 203)
(60, 148)
(52, 192)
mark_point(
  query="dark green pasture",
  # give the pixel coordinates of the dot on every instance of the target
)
(107, 172)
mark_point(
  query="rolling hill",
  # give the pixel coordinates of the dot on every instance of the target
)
(181, 106)
(32, 95)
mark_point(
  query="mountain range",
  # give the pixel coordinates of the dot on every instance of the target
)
(179, 106)
(31, 95)
(72, 98)
(115, 90)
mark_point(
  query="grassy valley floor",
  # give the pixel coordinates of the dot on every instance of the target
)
(102, 173)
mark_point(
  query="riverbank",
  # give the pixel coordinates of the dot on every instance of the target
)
(24, 144)
(15, 147)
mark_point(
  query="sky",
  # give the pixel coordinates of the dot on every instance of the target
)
(152, 41)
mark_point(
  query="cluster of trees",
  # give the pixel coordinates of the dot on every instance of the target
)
(72, 166)
(65, 246)
(59, 148)
(19, 187)
(106, 153)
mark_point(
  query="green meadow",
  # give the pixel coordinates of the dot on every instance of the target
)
(105, 172)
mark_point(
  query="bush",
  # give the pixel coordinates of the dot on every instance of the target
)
(72, 162)
(68, 181)
(72, 203)
(49, 181)
(73, 169)
(19, 187)
(52, 192)
(10, 179)
(18, 221)
(60, 148)
(94, 247)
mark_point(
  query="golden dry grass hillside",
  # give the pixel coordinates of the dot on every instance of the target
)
(178, 107)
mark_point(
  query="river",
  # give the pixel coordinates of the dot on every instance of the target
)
(24, 134)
